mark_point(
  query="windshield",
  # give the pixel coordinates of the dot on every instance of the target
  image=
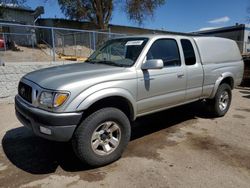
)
(119, 52)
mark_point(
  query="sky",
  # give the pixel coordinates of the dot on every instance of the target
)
(175, 15)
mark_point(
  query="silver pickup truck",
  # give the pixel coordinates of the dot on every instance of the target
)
(93, 103)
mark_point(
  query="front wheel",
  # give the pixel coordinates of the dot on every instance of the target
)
(220, 104)
(101, 138)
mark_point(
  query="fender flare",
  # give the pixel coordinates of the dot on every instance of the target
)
(110, 92)
(218, 82)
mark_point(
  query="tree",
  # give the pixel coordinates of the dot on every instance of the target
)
(248, 12)
(99, 12)
(139, 10)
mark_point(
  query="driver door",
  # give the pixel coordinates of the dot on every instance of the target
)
(162, 88)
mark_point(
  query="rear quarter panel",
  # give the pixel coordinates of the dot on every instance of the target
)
(215, 73)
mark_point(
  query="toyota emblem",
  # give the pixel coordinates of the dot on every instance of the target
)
(22, 90)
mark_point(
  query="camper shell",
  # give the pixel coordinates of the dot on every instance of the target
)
(217, 50)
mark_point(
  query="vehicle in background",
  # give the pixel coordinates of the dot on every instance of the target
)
(2, 43)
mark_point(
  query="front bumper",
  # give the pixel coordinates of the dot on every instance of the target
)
(61, 125)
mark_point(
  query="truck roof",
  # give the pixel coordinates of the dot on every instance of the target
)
(155, 36)
(211, 49)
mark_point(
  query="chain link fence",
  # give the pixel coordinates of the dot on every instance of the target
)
(27, 43)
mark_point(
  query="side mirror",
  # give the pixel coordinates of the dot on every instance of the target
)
(152, 64)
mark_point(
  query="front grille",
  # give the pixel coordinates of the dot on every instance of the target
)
(25, 91)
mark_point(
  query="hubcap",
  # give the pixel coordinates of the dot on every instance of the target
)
(106, 138)
(223, 100)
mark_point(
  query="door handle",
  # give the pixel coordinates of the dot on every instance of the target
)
(180, 75)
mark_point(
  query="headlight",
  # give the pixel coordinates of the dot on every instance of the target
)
(46, 99)
(52, 99)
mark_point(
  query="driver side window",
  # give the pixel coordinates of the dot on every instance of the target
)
(167, 50)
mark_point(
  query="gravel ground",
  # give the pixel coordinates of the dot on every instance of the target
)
(182, 147)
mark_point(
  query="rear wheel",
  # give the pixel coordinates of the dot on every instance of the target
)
(220, 104)
(101, 138)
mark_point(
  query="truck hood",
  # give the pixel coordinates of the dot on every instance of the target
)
(66, 77)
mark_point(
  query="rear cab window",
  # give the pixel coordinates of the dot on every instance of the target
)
(188, 51)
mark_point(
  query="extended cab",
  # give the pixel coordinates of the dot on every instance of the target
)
(92, 104)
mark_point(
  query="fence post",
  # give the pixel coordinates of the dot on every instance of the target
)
(32, 41)
(53, 44)
(90, 44)
(245, 46)
(94, 40)
(63, 43)
(74, 36)
(109, 33)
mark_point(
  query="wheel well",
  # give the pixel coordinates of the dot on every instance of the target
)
(229, 81)
(116, 102)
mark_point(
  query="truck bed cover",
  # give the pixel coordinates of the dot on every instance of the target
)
(217, 50)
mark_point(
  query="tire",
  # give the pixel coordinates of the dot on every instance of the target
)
(111, 127)
(220, 104)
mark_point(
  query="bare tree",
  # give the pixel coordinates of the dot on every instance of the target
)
(99, 12)
(139, 10)
(248, 12)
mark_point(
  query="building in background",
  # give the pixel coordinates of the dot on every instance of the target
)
(72, 24)
(239, 33)
(19, 15)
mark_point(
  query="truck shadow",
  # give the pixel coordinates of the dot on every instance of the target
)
(38, 156)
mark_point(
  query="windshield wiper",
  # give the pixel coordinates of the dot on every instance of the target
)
(105, 62)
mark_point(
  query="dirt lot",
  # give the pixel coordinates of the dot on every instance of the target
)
(29, 54)
(182, 147)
